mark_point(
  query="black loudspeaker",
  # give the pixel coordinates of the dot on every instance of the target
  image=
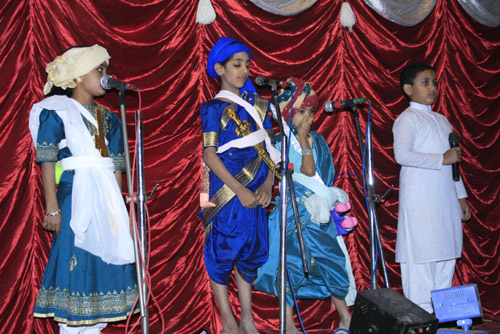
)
(385, 311)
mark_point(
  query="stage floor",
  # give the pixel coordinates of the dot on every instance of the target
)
(491, 325)
(488, 325)
(485, 325)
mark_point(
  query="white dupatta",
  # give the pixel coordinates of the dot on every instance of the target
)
(99, 217)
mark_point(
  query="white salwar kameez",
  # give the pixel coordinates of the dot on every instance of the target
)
(429, 219)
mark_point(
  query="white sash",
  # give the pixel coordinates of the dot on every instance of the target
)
(323, 200)
(99, 217)
(255, 137)
(252, 139)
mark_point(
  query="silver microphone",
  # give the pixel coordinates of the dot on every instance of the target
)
(330, 106)
(108, 82)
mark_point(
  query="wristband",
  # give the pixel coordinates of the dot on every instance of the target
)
(55, 213)
(307, 152)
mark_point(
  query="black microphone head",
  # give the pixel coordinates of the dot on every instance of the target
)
(453, 139)
(260, 81)
(105, 81)
(329, 106)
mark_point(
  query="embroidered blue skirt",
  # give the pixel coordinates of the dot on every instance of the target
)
(78, 288)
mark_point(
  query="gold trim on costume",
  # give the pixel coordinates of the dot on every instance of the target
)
(72, 263)
(243, 129)
(84, 322)
(248, 172)
(104, 123)
(80, 304)
(224, 194)
(46, 152)
(99, 138)
(225, 118)
(210, 139)
(260, 105)
(118, 160)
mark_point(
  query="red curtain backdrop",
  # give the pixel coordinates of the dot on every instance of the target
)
(158, 46)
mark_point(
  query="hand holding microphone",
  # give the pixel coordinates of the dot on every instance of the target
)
(453, 156)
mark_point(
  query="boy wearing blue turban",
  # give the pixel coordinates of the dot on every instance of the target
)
(240, 182)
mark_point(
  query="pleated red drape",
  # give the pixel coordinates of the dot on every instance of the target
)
(158, 46)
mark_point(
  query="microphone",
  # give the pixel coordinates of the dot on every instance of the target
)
(108, 82)
(261, 81)
(330, 106)
(453, 139)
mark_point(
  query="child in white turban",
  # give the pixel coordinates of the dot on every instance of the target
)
(89, 279)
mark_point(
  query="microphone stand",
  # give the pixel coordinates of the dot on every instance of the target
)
(372, 199)
(296, 215)
(140, 257)
(287, 173)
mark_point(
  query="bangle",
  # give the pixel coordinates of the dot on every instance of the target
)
(55, 213)
(307, 152)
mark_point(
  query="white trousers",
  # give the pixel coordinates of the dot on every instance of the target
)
(419, 279)
(95, 329)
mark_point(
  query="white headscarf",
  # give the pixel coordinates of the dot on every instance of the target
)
(74, 63)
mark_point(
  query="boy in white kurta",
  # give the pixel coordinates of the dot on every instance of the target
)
(431, 204)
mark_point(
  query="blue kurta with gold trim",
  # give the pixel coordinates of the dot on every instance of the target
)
(234, 235)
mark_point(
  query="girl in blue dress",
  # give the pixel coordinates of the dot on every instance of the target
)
(89, 279)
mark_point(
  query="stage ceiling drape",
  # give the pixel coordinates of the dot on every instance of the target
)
(158, 46)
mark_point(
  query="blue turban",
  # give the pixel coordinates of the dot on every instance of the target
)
(222, 50)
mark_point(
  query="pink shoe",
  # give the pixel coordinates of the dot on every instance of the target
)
(349, 223)
(343, 207)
